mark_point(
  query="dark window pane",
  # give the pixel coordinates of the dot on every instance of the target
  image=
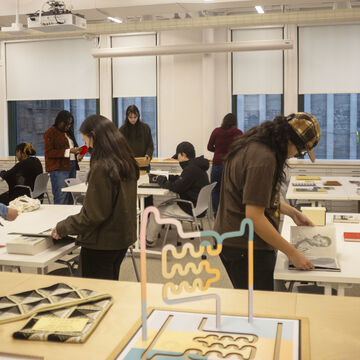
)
(30, 119)
(147, 108)
(317, 105)
(251, 110)
(342, 126)
(358, 126)
(339, 118)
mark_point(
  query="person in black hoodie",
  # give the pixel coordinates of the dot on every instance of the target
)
(23, 173)
(188, 185)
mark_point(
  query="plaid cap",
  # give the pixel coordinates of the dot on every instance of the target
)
(305, 132)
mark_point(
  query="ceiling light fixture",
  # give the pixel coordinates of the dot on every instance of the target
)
(116, 20)
(259, 9)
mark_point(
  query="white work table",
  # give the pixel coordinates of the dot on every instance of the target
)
(348, 257)
(142, 193)
(346, 191)
(34, 222)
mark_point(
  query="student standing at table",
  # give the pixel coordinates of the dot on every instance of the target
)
(8, 213)
(252, 176)
(220, 140)
(23, 173)
(106, 224)
(137, 134)
(60, 155)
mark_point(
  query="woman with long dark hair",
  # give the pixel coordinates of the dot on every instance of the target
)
(220, 140)
(61, 153)
(106, 224)
(137, 134)
(24, 172)
(252, 176)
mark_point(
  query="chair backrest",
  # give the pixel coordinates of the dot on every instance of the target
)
(72, 181)
(203, 199)
(40, 185)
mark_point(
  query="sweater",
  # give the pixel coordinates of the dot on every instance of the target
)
(23, 173)
(139, 138)
(220, 141)
(55, 144)
(107, 220)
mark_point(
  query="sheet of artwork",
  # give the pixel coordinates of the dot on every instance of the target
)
(192, 335)
(318, 243)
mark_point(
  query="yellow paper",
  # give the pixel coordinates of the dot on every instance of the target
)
(58, 324)
(308, 178)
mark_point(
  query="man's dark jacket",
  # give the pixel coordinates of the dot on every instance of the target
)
(189, 183)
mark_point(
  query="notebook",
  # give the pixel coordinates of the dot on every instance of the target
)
(149, 185)
(352, 236)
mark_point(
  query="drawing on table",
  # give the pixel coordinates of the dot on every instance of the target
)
(318, 243)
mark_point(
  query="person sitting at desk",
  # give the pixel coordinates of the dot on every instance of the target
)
(106, 224)
(23, 173)
(188, 185)
(8, 213)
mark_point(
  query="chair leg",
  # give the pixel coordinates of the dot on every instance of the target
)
(134, 264)
(67, 263)
(166, 234)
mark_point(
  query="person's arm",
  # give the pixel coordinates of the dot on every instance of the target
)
(299, 218)
(3, 211)
(269, 234)
(149, 144)
(8, 213)
(96, 209)
(11, 174)
(211, 143)
(178, 185)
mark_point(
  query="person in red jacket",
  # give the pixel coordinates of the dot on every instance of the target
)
(60, 155)
(219, 143)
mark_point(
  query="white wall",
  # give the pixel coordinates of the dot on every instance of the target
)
(193, 92)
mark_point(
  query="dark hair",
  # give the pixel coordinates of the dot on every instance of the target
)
(229, 121)
(63, 117)
(128, 129)
(111, 150)
(187, 148)
(274, 134)
(26, 148)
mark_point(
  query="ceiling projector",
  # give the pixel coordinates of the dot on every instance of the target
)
(56, 18)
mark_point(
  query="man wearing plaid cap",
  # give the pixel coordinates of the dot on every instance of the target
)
(252, 176)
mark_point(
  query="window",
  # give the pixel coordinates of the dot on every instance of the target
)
(28, 120)
(44, 77)
(339, 119)
(257, 79)
(134, 82)
(329, 86)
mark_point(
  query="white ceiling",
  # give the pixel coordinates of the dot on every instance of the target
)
(96, 11)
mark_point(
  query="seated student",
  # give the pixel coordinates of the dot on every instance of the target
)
(188, 185)
(23, 173)
(8, 213)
